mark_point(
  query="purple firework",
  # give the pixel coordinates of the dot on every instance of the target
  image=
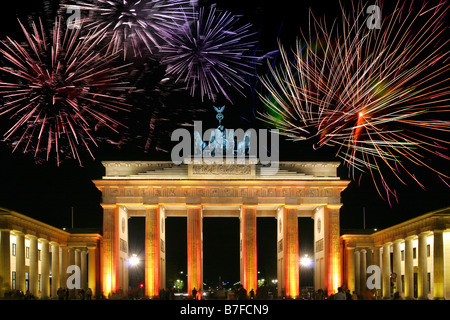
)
(211, 53)
(58, 90)
(134, 24)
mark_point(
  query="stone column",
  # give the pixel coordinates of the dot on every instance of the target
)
(249, 270)
(20, 261)
(397, 266)
(358, 271)
(77, 254)
(386, 271)
(438, 265)
(369, 258)
(63, 264)
(363, 272)
(45, 268)
(152, 251)
(84, 268)
(377, 260)
(55, 269)
(93, 270)
(423, 269)
(280, 254)
(288, 246)
(71, 256)
(332, 254)
(5, 262)
(33, 269)
(409, 269)
(194, 248)
(110, 249)
(350, 268)
(78, 257)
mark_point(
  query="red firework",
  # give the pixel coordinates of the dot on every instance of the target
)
(57, 90)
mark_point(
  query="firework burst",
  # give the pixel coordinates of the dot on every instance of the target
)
(134, 25)
(211, 54)
(57, 90)
(379, 96)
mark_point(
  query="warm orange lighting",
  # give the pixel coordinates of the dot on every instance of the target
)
(107, 289)
(249, 253)
(290, 239)
(152, 251)
(194, 248)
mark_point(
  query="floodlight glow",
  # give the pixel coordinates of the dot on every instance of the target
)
(306, 261)
(133, 260)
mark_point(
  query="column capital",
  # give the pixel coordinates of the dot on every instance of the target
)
(334, 206)
(424, 233)
(249, 205)
(151, 206)
(194, 206)
(410, 237)
(108, 206)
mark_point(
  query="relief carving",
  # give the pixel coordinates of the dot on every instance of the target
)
(221, 169)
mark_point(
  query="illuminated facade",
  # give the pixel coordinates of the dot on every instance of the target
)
(413, 257)
(35, 257)
(156, 190)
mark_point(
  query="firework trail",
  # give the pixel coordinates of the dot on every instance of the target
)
(134, 25)
(210, 54)
(379, 96)
(58, 90)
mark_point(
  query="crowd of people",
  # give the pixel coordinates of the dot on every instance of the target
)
(64, 294)
(238, 293)
(61, 293)
(19, 295)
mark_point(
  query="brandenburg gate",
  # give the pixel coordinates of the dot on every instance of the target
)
(157, 190)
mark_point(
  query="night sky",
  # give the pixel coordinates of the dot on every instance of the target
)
(48, 192)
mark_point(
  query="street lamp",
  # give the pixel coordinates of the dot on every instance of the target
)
(133, 261)
(306, 261)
